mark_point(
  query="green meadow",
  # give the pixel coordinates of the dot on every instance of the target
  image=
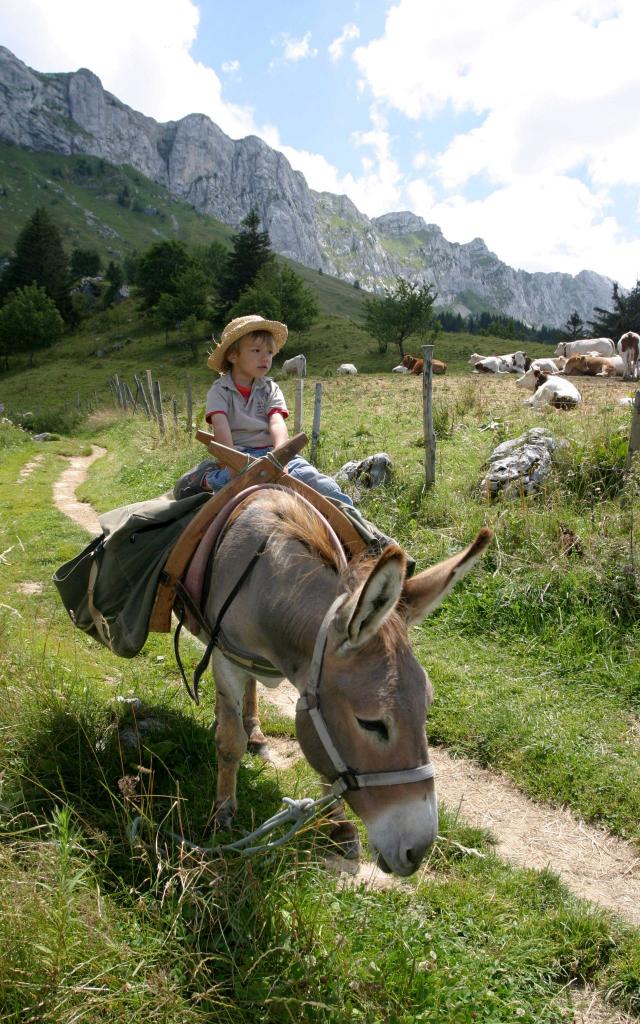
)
(535, 661)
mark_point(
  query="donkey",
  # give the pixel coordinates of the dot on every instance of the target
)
(285, 596)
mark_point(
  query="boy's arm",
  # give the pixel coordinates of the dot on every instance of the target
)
(222, 434)
(277, 429)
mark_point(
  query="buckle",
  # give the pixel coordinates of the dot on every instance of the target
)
(350, 779)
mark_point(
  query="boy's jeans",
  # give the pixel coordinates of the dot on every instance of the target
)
(297, 467)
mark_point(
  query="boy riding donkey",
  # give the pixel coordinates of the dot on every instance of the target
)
(247, 411)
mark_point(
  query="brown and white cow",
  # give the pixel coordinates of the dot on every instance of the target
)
(593, 366)
(629, 349)
(415, 365)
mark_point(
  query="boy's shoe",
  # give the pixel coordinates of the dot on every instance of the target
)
(191, 482)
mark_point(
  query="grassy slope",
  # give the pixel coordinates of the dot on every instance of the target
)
(81, 193)
(123, 937)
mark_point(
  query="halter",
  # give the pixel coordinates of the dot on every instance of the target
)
(348, 778)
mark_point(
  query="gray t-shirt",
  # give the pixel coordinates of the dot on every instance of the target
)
(248, 418)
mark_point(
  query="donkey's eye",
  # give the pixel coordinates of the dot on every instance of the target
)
(376, 726)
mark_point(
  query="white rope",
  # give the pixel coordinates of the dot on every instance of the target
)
(300, 812)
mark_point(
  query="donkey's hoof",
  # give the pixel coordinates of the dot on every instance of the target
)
(259, 749)
(223, 814)
(346, 838)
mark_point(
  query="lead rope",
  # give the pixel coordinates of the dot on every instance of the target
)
(300, 812)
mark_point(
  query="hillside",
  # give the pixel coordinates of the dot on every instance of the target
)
(118, 212)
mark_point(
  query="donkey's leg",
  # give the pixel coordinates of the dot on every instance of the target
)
(257, 740)
(231, 739)
(343, 832)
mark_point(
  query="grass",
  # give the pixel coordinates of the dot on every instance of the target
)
(535, 662)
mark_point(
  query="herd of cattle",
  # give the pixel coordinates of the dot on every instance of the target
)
(546, 378)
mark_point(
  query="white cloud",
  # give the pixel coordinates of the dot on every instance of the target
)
(230, 67)
(141, 54)
(336, 48)
(553, 88)
(298, 49)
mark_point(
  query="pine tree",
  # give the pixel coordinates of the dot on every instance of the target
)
(29, 321)
(40, 259)
(574, 327)
(250, 251)
(624, 316)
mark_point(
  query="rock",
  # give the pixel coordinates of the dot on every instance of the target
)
(521, 465)
(372, 471)
(46, 437)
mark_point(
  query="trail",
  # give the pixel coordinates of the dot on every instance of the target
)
(593, 864)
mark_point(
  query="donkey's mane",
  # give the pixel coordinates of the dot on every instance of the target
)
(289, 518)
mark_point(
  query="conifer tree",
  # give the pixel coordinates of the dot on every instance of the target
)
(250, 251)
(40, 259)
(29, 321)
(623, 316)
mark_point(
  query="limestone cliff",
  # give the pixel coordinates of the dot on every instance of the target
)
(196, 161)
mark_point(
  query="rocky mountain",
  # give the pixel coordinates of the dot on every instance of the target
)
(71, 113)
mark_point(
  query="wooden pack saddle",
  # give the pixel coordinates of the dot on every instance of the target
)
(249, 472)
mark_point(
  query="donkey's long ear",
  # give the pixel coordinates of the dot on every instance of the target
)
(422, 594)
(363, 614)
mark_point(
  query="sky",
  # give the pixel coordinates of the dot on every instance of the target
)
(516, 121)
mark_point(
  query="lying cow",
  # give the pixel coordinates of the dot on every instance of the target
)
(556, 391)
(491, 364)
(295, 367)
(594, 366)
(603, 347)
(629, 349)
(416, 366)
(517, 362)
(549, 365)
(346, 368)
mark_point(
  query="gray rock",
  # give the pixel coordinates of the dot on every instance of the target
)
(520, 466)
(372, 471)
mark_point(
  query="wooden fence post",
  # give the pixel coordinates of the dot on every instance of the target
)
(634, 437)
(116, 387)
(140, 391)
(189, 406)
(175, 412)
(427, 416)
(299, 413)
(157, 401)
(315, 433)
(130, 397)
(151, 393)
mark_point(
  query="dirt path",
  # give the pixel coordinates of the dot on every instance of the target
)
(64, 491)
(593, 864)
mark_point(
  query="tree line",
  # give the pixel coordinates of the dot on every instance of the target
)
(187, 292)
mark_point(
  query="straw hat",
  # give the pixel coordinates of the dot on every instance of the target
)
(237, 329)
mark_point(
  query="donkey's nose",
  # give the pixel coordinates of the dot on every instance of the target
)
(413, 856)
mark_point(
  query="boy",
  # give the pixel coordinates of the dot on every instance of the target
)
(247, 409)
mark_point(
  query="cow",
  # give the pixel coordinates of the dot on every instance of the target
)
(346, 368)
(516, 362)
(601, 347)
(491, 364)
(549, 365)
(556, 391)
(629, 350)
(415, 365)
(295, 367)
(593, 366)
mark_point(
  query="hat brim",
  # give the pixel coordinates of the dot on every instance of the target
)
(277, 330)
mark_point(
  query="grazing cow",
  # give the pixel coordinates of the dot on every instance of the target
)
(629, 349)
(346, 368)
(556, 391)
(295, 367)
(593, 366)
(601, 346)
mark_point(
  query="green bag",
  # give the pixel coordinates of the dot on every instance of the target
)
(109, 588)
